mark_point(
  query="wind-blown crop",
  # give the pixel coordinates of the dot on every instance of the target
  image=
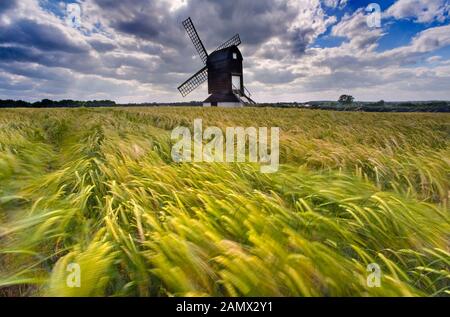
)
(98, 188)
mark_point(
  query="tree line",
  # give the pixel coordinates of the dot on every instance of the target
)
(47, 103)
(344, 103)
(68, 103)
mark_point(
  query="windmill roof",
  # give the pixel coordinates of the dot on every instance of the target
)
(225, 53)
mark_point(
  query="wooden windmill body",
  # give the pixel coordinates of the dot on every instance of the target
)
(223, 71)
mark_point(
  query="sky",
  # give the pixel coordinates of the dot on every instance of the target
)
(135, 51)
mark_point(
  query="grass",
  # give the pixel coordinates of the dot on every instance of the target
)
(97, 187)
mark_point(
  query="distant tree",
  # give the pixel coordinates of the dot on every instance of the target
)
(42, 103)
(377, 106)
(346, 99)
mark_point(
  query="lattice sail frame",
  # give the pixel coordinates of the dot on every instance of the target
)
(192, 83)
(192, 32)
(235, 40)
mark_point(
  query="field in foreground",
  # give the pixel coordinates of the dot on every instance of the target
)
(97, 187)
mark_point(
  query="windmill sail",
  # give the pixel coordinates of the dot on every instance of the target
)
(192, 32)
(192, 83)
(235, 40)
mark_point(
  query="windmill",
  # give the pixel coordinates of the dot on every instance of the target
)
(223, 70)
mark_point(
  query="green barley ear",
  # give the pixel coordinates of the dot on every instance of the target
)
(91, 204)
(83, 273)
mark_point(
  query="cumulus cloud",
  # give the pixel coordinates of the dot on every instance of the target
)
(354, 27)
(422, 11)
(432, 39)
(335, 3)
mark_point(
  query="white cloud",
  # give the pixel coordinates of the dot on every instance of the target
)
(395, 74)
(354, 27)
(434, 59)
(335, 3)
(432, 39)
(422, 11)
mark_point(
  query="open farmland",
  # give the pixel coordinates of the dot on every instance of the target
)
(98, 187)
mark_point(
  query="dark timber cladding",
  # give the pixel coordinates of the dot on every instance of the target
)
(222, 69)
(222, 65)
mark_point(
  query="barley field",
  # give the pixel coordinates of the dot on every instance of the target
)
(98, 187)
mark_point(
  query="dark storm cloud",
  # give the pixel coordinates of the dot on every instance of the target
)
(301, 38)
(15, 54)
(140, 27)
(50, 59)
(216, 21)
(6, 5)
(34, 71)
(42, 36)
(147, 20)
(256, 21)
(100, 46)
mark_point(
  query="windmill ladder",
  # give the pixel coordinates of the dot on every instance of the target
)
(246, 100)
